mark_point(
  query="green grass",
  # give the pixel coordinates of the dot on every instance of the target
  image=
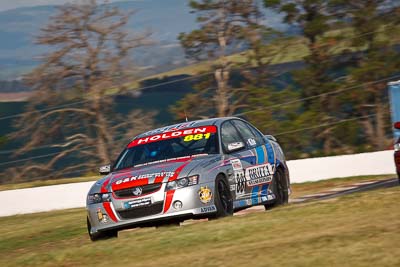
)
(356, 230)
(282, 51)
(287, 50)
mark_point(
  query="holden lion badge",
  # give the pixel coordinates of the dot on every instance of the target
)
(205, 194)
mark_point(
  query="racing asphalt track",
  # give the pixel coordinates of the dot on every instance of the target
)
(354, 188)
(334, 192)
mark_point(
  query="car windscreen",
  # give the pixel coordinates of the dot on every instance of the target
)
(169, 145)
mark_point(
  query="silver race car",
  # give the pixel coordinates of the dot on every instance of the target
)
(200, 169)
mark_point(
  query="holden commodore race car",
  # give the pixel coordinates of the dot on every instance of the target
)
(200, 169)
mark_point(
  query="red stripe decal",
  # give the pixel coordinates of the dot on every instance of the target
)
(168, 200)
(159, 179)
(170, 194)
(107, 207)
(177, 171)
(103, 187)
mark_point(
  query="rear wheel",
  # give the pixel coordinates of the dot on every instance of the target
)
(100, 235)
(222, 199)
(280, 189)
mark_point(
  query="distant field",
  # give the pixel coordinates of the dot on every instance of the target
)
(362, 229)
(284, 51)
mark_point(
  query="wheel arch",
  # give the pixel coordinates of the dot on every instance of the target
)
(225, 177)
(281, 166)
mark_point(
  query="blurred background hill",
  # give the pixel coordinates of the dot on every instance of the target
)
(165, 19)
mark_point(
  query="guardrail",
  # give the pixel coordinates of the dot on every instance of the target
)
(65, 196)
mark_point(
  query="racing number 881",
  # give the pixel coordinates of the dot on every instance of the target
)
(195, 137)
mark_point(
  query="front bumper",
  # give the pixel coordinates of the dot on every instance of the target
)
(116, 214)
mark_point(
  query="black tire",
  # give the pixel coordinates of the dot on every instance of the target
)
(100, 235)
(222, 198)
(279, 187)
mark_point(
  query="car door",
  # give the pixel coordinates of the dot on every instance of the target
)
(259, 172)
(237, 181)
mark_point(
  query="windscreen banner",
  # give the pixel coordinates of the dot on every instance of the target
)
(394, 97)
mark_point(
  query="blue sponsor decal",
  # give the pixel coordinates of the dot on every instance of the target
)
(255, 201)
(264, 190)
(241, 203)
(254, 195)
(260, 155)
(270, 152)
(249, 159)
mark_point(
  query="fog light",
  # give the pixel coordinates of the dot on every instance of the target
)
(105, 219)
(100, 215)
(177, 205)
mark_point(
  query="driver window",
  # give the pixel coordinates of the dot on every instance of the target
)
(251, 139)
(229, 135)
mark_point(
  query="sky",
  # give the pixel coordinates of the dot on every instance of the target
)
(10, 4)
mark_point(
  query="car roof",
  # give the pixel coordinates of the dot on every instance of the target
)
(185, 125)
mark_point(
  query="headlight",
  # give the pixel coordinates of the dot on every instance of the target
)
(397, 147)
(98, 198)
(182, 182)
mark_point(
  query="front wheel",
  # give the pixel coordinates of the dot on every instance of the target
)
(280, 189)
(222, 199)
(100, 235)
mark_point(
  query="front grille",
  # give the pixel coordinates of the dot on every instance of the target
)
(142, 211)
(146, 189)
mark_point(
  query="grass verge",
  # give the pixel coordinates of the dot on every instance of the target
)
(362, 229)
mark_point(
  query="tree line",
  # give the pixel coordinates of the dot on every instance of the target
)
(350, 44)
(336, 103)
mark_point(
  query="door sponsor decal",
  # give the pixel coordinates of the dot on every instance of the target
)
(259, 174)
(253, 177)
(236, 164)
(251, 142)
(240, 180)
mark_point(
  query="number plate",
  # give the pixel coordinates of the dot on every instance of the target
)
(137, 203)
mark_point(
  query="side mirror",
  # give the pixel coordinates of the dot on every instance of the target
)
(232, 147)
(397, 125)
(106, 169)
(270, 137)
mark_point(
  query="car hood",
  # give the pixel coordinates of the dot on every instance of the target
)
(160, 172)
